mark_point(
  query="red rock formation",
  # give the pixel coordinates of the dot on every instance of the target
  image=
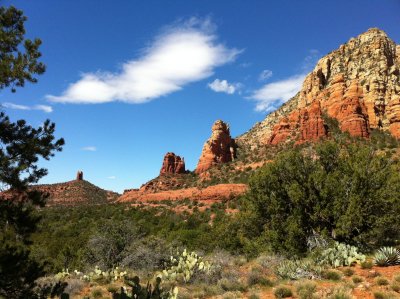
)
(358, 84)
(220, 148)
(302, 125)
(79, 176)
(172, 164)
(211, 193)
(393, 114)
(352, 115)
(312, 125)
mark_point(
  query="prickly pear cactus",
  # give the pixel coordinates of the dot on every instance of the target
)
(340, 254)
(184, 266)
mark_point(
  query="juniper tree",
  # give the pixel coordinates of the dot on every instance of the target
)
(21, 146)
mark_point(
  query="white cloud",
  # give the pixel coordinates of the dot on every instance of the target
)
(44, 108)
(89, 148)
(272, 95)
(111, 177)
(224, 86)
(182, 54)
(265, 75)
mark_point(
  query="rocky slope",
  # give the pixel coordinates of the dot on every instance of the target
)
(357, 84)
(75, 192)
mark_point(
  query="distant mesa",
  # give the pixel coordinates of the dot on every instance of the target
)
(220, 148)
(79, 175)
(172, 164)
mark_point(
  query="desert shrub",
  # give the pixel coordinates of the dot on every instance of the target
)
(306, 289)
(146, 254)
(283, 292)
(97, 293)
(232, 295)
(381, 281)
(384, 295)
(256, 277)
(332, 275)
(367, 264)
(357, 279)
(298, 269)
(395, 286)
(74, 287)
(348, 272)
(396, 277)
(269, 261)
(301, 192)
(340, 293)
(254, 296)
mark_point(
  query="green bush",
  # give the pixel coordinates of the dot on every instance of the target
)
(332, 275)
(367, 264)
(348, 272)
(381, 281)
(302, 191)
(357, 279)
(306, 289)
(283, 292)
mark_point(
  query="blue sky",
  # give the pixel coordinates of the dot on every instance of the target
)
(128, 81)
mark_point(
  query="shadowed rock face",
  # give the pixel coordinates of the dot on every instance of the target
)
(220, 148)
(79, 176)
(172, 164)
(358, 84)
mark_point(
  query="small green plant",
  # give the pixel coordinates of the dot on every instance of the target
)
(348, 272)
(384, 295)
(97, 293)
(340, 255)
(257, 278)
(367, 264)
(340, 293)
(306, 289)
(357, 279)
(381, 281)
(283, 292)
(332, 275)
(395, 286)
(397, 277)
(298, 269)
(387, 256)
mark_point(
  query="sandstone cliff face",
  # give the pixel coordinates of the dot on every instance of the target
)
(172, 164)
(358, 84)
(220, 148)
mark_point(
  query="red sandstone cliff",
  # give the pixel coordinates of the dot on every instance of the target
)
(357, 84)
(172, 164)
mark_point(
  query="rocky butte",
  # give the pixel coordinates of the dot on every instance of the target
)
(357, 84)
(172, 164)
(219, 148)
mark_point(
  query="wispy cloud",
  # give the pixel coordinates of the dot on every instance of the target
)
(224, 86)
(44, 108)
(111, 177)
(89, 148)
(183, 53)
(265, 75)
(272, 95)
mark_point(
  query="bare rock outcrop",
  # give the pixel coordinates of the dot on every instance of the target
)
(172, 164)
(358, 84)
(220, 148)
(79, 176)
